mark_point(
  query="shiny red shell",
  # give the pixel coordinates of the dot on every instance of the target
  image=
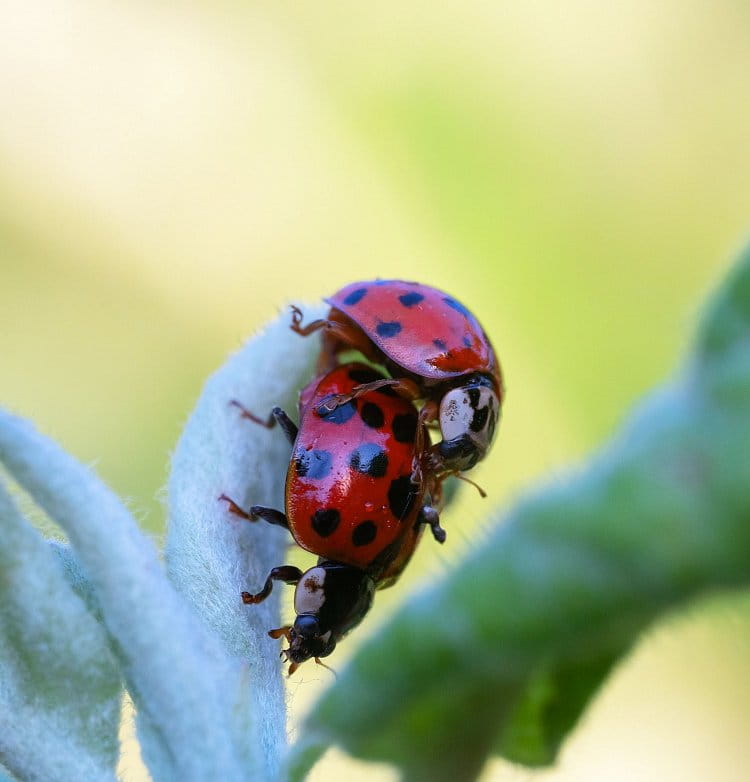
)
(349, 493)
(422, 329)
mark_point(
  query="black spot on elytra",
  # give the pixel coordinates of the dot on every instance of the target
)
(467, 341)
(355, 297)
(372, 415)
(325, 521)
(479, 419)
(363, 375)
(411, 298)
(339, 415)
(401, 496)
(440, 344)
(369, 459)
(315, 464)
(405, 427)
(389, 328)
(364, 533)
(474, 397)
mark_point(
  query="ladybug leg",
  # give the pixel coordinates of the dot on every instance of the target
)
(343, 331)
(286, 573)
(407, 389)
(427, 415)
(428, 515)
(288, 426)
(276, 416)
(257, 512)
(281, 632)
(305, 331)
(339, 333)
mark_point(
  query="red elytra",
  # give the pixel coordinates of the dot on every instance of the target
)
(350, 495)
(421, 329)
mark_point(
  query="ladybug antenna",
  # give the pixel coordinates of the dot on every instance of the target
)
(462, 477)
(328, 667)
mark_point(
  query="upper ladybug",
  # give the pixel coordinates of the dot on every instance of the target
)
(433, 347)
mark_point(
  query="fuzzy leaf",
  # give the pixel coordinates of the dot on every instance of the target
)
(503, 655)
(213, 555)
(75, 576)
(60, 688)
(183, 685)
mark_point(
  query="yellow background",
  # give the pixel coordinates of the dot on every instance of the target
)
(172, 174)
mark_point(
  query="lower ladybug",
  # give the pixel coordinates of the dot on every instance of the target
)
(354, 497)
(435, 350)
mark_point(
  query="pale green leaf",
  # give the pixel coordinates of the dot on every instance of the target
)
(60, 687)
(212, 555)
(183, 685)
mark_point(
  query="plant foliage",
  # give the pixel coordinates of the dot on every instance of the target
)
(500, 657)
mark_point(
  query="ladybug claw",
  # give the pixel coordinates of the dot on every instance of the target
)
(330, 403)
(296, 315)
(234, 507)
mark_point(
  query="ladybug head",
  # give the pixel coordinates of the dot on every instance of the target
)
(330, 599)
(468, 418)
(306, 641)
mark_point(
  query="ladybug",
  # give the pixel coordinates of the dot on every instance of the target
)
(352, 497)
(434, 349)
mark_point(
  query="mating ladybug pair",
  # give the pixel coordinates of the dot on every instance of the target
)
(364, 479)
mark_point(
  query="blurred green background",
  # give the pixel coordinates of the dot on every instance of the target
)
(172, 174)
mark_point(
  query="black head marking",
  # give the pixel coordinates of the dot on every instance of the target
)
(456, 305)
(355, 297)
(389, 328)
(479, 419)
(364, 533)
(410, 299)
(440, 344)
(405, 427)
(401, 496)
(339, 415)
(473, 397)
(325, 521)
(492, 424)
(363, 375)
(370, 459)
(315, 464)
(372, 415)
